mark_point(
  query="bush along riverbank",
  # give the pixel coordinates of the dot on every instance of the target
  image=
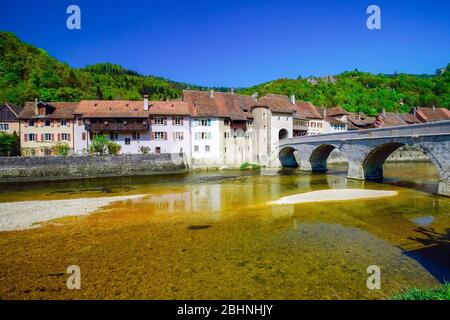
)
(442, 293)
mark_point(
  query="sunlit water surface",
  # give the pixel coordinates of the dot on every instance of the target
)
(213, 235)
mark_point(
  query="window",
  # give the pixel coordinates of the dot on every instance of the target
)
(319, 125)
(249, 122)
(83, 136)
(159, 135)
(47, 137)
(136, 136)
(31, 137)
(47, 123)
(42, 111)
(159, 121)
(226, 122)
(313, 124)
(31, 123)
(202, 135)
(207, 148)
(4, 126)
(113, 136)
(179, 136)
(205, 122)
(158, 149)
(195, 148)
(177, 121)
(127, 141)
(64, 136)
(63, 123)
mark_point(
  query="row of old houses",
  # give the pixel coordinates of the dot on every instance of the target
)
(210, 128)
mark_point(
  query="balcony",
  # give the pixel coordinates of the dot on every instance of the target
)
(300, 128)
(100, 127)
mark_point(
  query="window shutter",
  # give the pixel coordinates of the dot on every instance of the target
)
(59, 136)
(26, 124)
(42, 123)
(42, 137)
(152, 135)
(83, 136)
(58, 123)
(68, 123)
(209, 122)
(152, 121)
(209, 135)
(174, 136)
(173, 121)
(165, 121)
(182, 121)
(165, 135)
(68, 137)
(25, 137)
(54, 123)
(79, 122)
(53, 137)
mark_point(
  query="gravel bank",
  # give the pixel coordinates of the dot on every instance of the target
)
(29, 214)
(333, 195)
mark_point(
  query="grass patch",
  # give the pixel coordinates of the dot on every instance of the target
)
(442, 293)
(250, 166)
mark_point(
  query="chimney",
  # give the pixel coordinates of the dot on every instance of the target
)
(255, 96)
(211, 93)
(293, 99)
(383, 112)
(36, 111)
(324, 112)
(434, 107)
(145, 102)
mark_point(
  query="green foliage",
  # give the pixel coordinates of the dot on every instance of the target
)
(27, 73)
(61, 149)
(9, 144)
(113, 148)
(144, 150)
(250, 166)
(442, 293)
(364, 92)
(99, 145)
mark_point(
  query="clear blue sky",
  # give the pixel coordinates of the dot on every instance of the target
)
(238, 43)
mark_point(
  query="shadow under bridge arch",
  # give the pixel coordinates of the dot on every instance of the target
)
(319, 157)
(287, 157)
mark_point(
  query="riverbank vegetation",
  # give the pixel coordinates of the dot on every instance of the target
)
(442, 293)
(9, 144)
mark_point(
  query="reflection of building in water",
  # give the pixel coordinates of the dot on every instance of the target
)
(205, 198)
(282, 211)
(172, 202)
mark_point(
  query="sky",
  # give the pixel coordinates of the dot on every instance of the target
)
(238, 43)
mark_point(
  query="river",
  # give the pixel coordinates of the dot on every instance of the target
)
(213, 235)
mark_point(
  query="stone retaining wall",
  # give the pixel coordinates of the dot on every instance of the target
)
(87, 166)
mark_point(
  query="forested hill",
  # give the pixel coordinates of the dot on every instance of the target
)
(365, 92)
(27, 72)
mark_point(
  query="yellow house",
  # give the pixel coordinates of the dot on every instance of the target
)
(8, 118)
(43, 125)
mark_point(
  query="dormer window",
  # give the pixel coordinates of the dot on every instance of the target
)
(63, 123)
(42, 111)
(31, 123)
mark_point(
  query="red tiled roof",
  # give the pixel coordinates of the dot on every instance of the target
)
(16, 110)
(129, 109)
(57, 110)
(336, 111)
(360, 120)
(392, 119)
(276, 103)
(408, 118)
(308, 110)
(430, 114)
(220, 104)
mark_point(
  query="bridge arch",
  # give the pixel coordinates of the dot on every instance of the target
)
(287, 157)
(319, 157)
(374, 161)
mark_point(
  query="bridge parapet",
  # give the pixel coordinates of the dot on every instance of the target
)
(422, 129)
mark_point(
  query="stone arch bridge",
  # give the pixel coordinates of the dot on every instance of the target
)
(367, 150)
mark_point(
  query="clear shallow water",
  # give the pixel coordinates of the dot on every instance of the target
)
(212, 235)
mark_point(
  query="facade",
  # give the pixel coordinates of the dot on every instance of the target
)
(137, 126)
(315, 121)
(43, 125)
(9, 121)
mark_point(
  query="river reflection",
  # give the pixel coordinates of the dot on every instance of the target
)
(213, 235)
